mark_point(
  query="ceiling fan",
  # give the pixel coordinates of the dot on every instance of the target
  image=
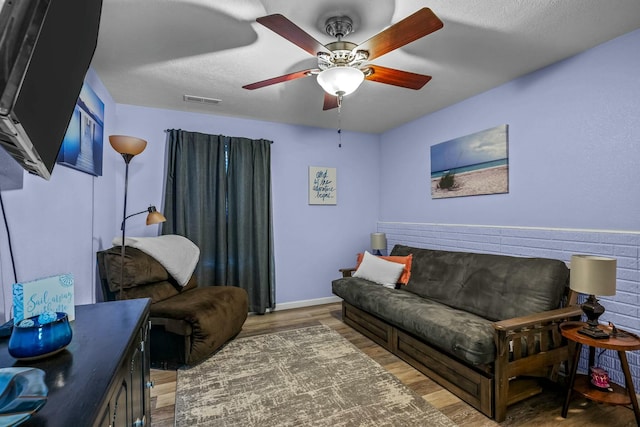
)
(342, 65)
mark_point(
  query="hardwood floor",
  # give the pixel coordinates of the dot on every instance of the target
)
(541, 410)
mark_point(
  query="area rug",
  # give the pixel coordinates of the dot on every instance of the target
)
(303, 377)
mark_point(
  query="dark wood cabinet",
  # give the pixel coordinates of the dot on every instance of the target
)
(102, 378)
(129, 404)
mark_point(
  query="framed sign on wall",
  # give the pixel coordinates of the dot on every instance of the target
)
(322, 186)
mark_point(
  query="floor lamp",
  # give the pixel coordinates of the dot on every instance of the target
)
(130, 146)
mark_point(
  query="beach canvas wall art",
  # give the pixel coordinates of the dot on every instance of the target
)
(471, 165)
(82, 144)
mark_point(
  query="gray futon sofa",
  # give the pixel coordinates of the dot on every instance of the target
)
(481, 325)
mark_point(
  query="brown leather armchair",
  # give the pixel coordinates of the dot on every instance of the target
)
(188, 324)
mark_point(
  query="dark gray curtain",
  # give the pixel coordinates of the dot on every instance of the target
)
(218, 194)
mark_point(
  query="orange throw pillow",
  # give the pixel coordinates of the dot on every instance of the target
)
(406, 260)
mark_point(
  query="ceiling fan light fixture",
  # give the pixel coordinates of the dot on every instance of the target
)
(340, 81)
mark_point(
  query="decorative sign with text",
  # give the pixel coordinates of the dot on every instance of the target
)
(53, 293)
(322, 186)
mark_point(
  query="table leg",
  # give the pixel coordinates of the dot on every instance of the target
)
(629, 381)
(572, 378)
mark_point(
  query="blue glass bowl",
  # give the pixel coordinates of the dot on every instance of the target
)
(40, 336)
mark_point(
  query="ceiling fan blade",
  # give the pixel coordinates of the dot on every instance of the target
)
(279, 79)
(330, 102)
(290, 31)
(411, 28)
(400, 78)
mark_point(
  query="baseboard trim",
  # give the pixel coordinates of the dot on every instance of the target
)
(306, 303)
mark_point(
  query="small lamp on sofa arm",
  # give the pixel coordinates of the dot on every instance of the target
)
(378, 243)
(593, 275)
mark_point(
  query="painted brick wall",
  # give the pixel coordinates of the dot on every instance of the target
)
(621, 309)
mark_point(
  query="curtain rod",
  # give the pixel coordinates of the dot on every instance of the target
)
(226, 136)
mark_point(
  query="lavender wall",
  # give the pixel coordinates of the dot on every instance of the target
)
(53, 223)
(311, 242)
(574, 180)
(574, 148)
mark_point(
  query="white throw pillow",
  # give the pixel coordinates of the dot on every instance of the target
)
(379, 270)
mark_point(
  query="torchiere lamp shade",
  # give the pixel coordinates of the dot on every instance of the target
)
(127, 144)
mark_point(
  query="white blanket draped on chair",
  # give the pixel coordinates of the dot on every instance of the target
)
(177, 254)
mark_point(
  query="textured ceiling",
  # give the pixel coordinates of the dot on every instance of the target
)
(152, 52)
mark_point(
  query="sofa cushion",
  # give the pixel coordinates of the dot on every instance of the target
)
(139, 268)
(496, 287)
(378, 270)
(157, 291)
(144, 277)
(462, 334)
(406, 260)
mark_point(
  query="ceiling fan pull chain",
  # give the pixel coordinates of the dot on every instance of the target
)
(339, 122)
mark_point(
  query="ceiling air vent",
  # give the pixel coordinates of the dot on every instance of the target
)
(201, 100)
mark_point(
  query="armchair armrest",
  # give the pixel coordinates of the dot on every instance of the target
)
(534, 319)
(346, 272)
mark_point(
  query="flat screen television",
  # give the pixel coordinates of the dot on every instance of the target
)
(46, 47)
